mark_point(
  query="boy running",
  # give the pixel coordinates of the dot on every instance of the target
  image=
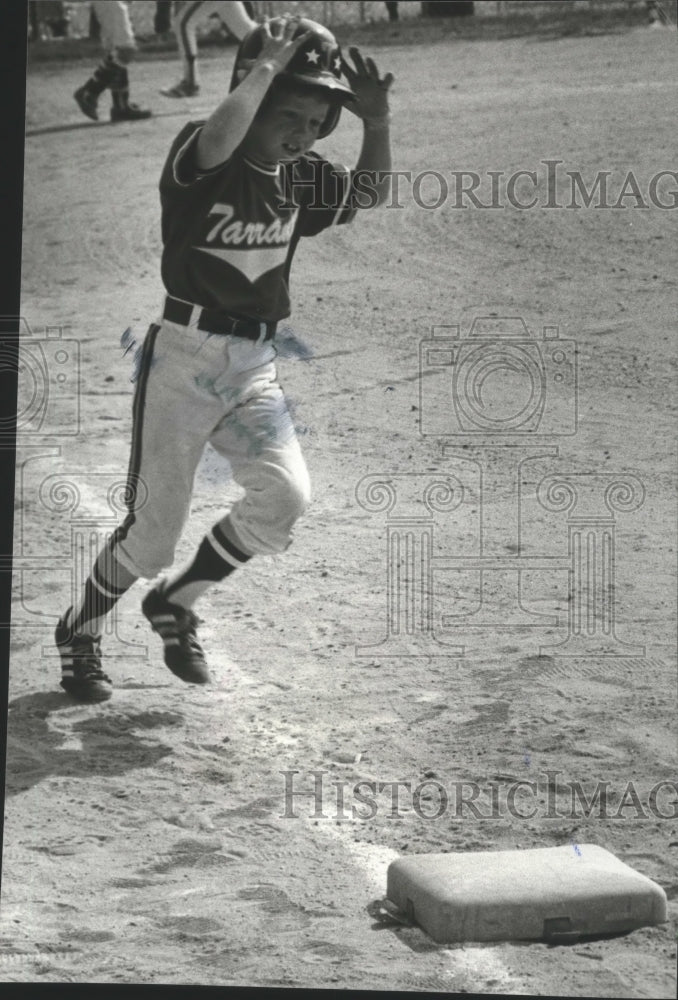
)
(237, 191)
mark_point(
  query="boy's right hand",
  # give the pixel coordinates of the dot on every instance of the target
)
(279, 42)
(227, 126)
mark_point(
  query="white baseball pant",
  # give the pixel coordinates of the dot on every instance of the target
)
(116, 27)
(194, 388)
(187, 15)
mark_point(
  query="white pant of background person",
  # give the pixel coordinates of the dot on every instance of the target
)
(117, 39)
(186, 15)
(116, 27)
(193, 388)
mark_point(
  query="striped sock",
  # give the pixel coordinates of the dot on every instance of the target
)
(120, 86)
(103, 589)
(215, 559)
(103, 75)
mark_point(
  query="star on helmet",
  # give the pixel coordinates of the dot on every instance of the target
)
(317, 63)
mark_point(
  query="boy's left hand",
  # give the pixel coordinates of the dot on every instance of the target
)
(371, 92)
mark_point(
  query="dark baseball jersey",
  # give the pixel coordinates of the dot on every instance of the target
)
(229, 233)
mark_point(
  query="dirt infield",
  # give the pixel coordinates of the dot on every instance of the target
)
(178, 835)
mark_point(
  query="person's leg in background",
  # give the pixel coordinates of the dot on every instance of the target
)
(187, 16)
(117, 37)
(162, 19)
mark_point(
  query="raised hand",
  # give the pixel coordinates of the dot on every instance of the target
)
(370, 89)
(279, 42)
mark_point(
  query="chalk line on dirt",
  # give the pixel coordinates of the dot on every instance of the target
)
(481, 963)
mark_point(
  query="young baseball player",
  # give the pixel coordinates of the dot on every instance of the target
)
(117, 37)
(185, 17)
(237, 191)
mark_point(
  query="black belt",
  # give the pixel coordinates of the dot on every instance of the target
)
(211, 321)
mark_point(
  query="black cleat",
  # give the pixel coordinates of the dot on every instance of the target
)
(176, 627)
(87, 102)
(130, 113)
(81, 673)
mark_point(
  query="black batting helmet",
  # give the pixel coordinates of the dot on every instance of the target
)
(316, 64)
